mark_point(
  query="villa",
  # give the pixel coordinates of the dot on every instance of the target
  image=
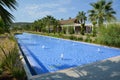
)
(77, 26)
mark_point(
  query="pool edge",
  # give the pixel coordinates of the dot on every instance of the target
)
(27, 71)
(37, 77)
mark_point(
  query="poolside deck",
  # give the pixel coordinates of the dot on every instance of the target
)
(108, 69)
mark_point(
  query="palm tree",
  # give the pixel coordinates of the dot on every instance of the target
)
(47, 20)
(81, 19)
(102, 12)
(4, 14)
(55, 26)
(50, 21)
(1, 27)
(35, 26)
(47, 23)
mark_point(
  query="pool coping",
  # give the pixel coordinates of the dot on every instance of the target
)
(81, 69)
(67, 71)
(27, 71)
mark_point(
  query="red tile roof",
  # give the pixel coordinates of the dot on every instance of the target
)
(70, 21)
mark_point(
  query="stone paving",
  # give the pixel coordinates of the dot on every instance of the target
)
(108, 69)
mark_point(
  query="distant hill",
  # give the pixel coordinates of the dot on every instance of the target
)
(20, 24)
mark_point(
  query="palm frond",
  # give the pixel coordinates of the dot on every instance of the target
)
(102, 2)
(6, 16)
(9, 3)
(102, 11)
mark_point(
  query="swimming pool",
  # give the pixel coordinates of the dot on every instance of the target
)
(47, 54)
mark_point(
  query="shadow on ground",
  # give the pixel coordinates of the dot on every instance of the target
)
(103, 70)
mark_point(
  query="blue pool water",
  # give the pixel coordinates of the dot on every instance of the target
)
(46, 54)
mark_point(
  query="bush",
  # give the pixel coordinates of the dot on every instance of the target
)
(1, 27)
(109, 36)
(12, 64)
(71, 30)
(43, 29)
(94, 32)
(0, 69)
(80, 38)
(88, 39)
(1, 31)
(72, 37)
(64, 30)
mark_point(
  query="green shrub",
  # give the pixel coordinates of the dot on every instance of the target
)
(73, 37)
(71, 30)
(82, 31)
(109, 36)
(0, 69)
(43, 29)
(94, 40)
(12, 63)
(94, 32)
(1, 30)
(88, 39)
(64, 30)
(80, 38)
(65, 37)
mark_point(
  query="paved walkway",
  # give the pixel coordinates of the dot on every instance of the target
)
(108, 69)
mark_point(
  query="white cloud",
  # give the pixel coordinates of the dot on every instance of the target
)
(33, 7)
(41, 10)
(63, 2)
(63, 10)
(37, 13)
(41, 14)
(49, 5)
(72, 8)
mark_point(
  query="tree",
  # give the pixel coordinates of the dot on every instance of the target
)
(4, 14)
(61, 19)
(81, 19)
(1, 27)
(102, 12)
(94, 32)
(35, 26)
(48, 22)
(55, 26)
(70, 18)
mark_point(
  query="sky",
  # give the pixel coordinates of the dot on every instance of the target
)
(31, 10)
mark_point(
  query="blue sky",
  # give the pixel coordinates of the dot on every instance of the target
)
(31, 10)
